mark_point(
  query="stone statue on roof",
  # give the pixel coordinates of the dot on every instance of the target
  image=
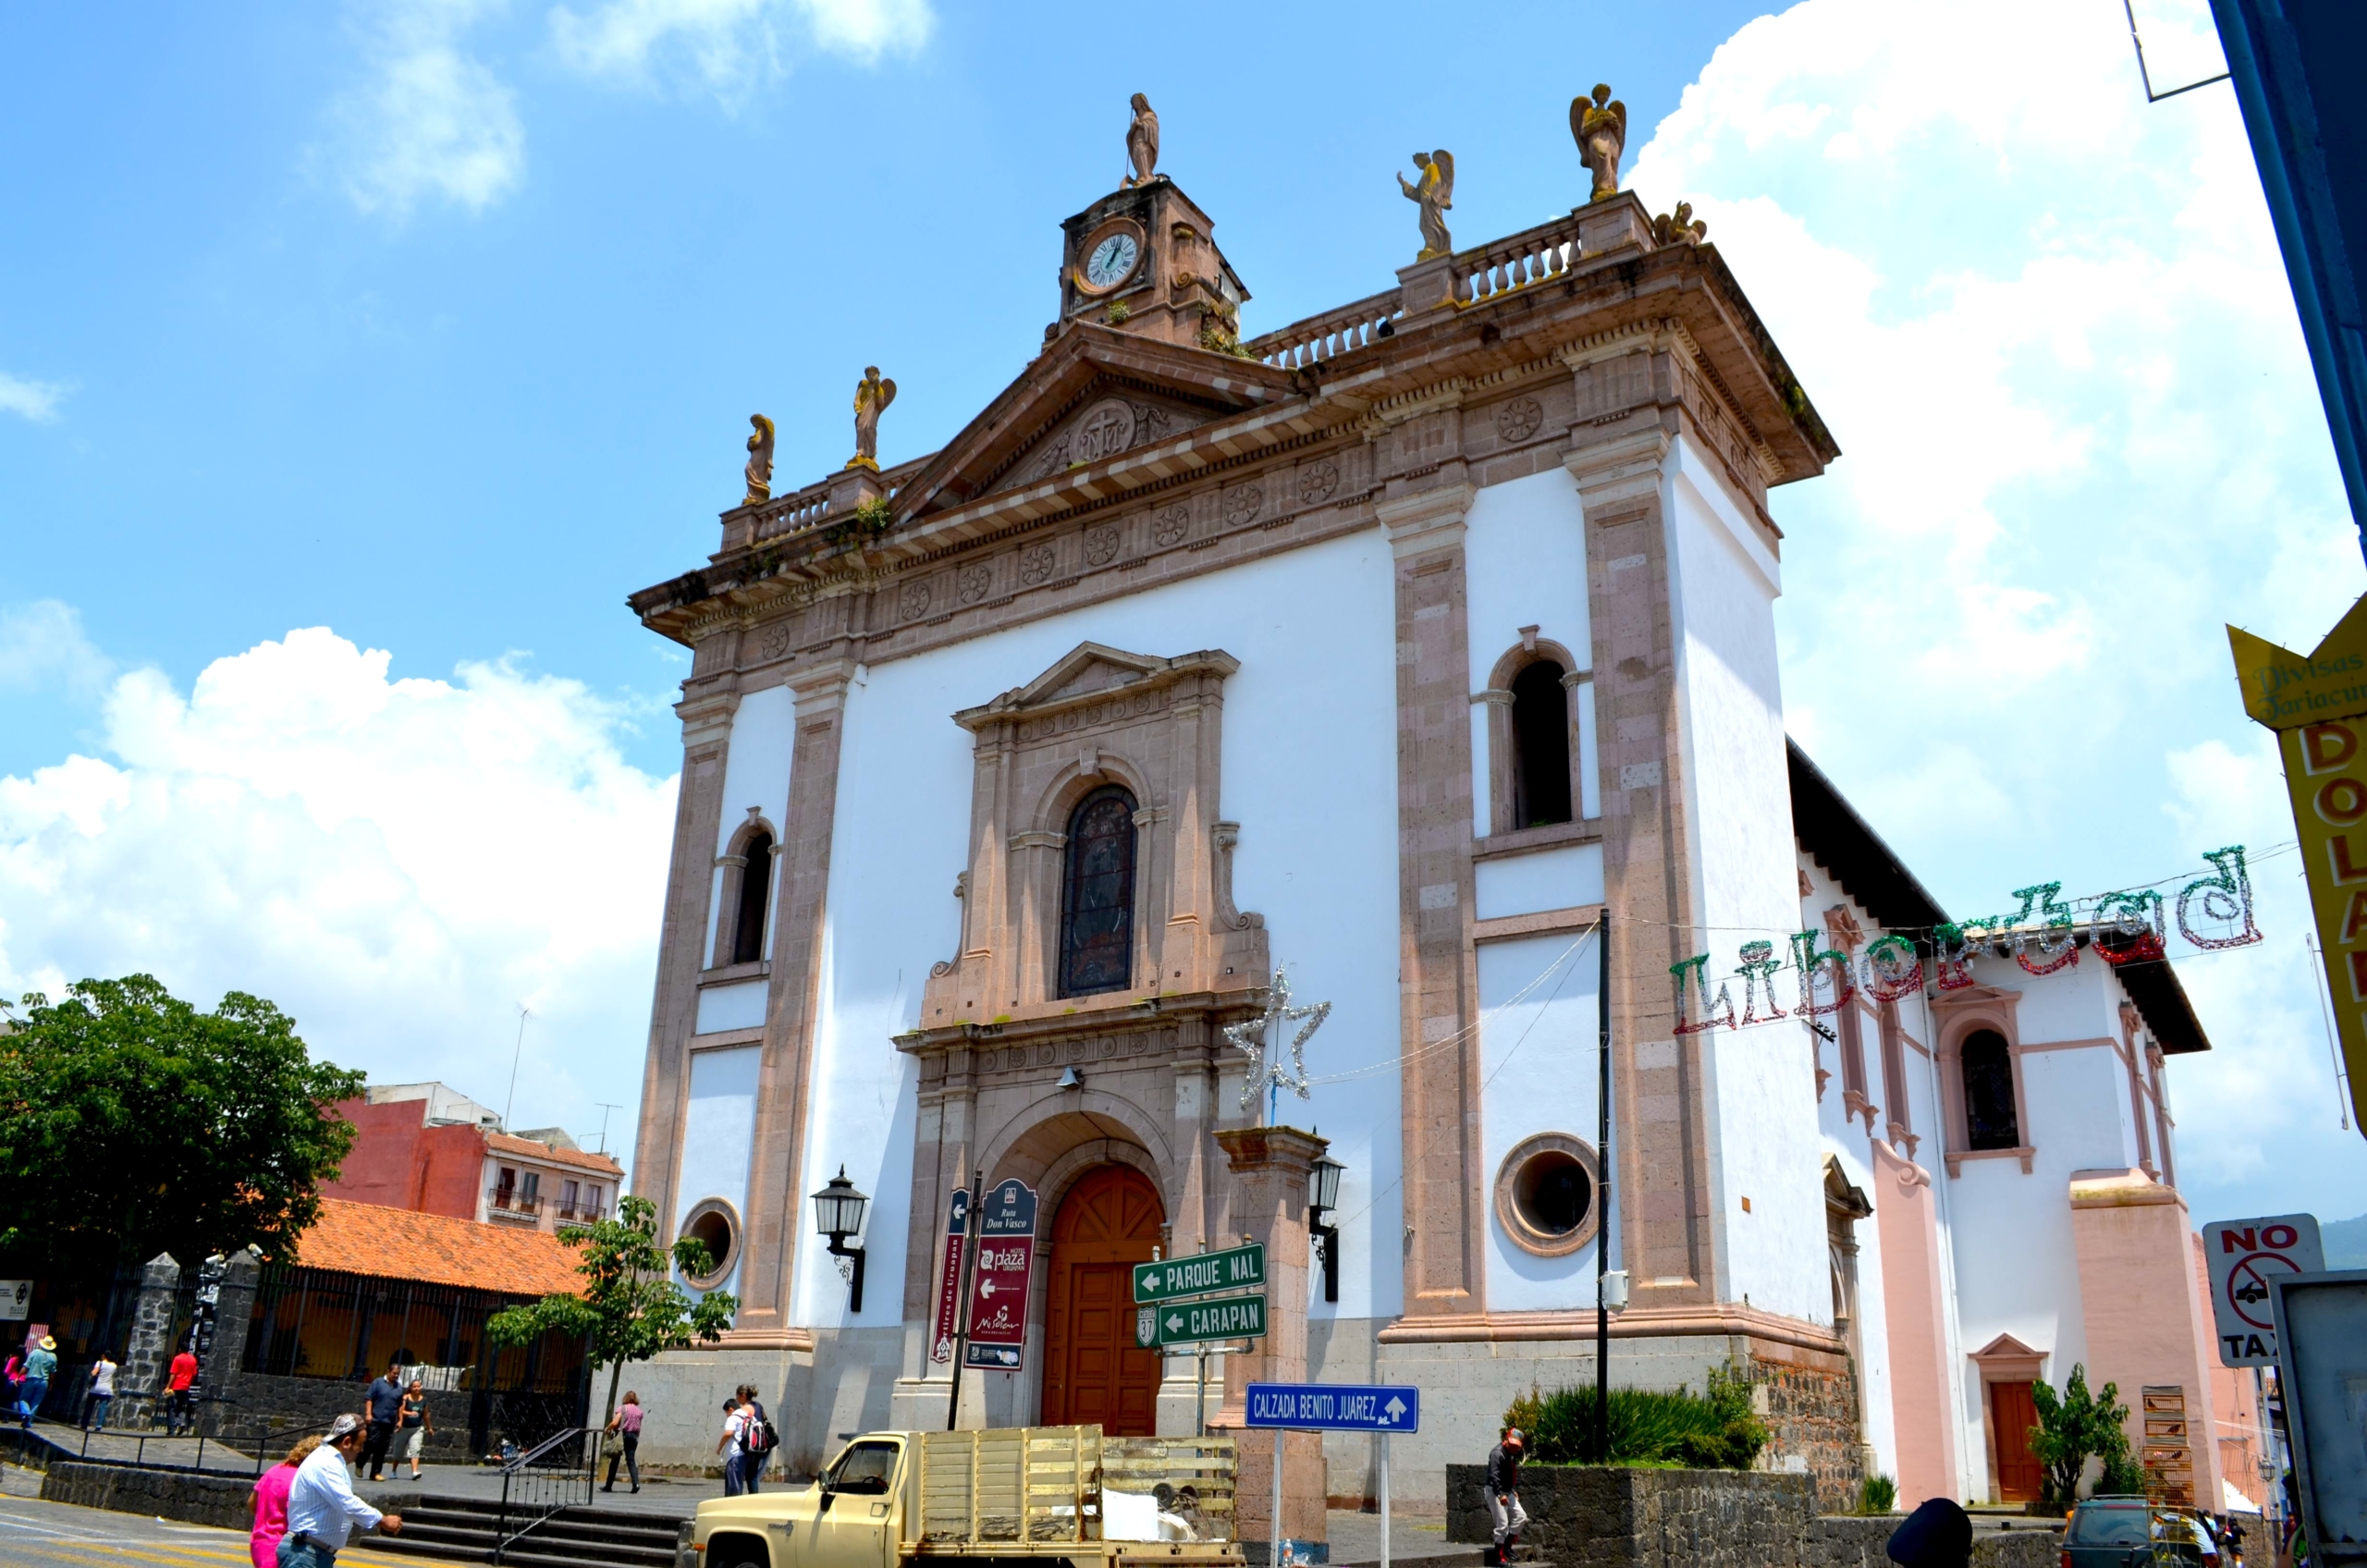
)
(1142, 143)
(871, 395)
(1600, 129)
(760, 462)
(1434, 193)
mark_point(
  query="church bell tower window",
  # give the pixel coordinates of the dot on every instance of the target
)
(1989, 1113)
(1097, 900)
(755, 882)
(1542, 741)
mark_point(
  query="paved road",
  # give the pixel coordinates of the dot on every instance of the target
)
(34, 1533)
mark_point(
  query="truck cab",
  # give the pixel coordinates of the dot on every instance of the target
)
(850, 1517)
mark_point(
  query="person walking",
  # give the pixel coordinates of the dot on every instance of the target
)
(756, 1438)
(102, 1394)
(418, 1423)
(322, 1508)
(381, 1408)
(626, 1426)
(735, 1426)
(1506, 1515)
(271, 1504)
(40, 1365)
(14, 1376)
(180, 1405)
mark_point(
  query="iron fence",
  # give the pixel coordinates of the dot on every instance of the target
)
(556, 1474)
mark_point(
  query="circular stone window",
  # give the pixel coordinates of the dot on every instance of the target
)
(716, 1224)
(1545, 1192)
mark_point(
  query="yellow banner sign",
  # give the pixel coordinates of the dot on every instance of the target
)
(2317, 705)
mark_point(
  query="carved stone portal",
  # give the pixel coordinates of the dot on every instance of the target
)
(1099, 716)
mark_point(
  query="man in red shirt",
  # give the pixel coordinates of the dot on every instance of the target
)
(181, 1404)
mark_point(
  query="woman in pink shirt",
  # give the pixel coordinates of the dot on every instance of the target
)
(271, 1504)
(625, 1423)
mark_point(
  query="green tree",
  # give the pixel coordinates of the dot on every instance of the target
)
(2074, 1428)
(131, 1123)
(630, 1307)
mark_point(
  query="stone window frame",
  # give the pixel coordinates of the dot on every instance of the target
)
(734, 1229)
(2003, 1359)
(732, 864)
(1957, 1016)
(1049, 871)
(2141, 1100)
(1517, 1228)
(1502, 749)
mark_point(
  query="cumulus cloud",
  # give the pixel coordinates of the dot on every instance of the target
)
(731, 44)
(42, 649)
(2050, 328)
(432, 120)
(35, 401)
(398, 863)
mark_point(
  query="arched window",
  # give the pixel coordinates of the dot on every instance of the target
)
(1989, 1120)
(1097, 895)
(755, 884)
(1540, 746)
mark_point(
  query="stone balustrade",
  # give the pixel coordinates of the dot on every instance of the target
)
(1333, 333)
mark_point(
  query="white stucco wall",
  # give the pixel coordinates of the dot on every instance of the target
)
(1539, 1074)
(1313, 703)
(717, 1129)
(1524, 564)
(756, 773)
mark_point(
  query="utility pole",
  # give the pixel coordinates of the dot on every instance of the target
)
(1602, 1192)
(962, 1297)
(515, 1056)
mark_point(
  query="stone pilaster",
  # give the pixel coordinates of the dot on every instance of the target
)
(706, 717)
(1269, 1168)
(234, 1310)
(148, 1354)
(1662, 1178)
(1437, 988)
(775, 1201)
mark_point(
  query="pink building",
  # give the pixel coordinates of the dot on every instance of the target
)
(426, 1148)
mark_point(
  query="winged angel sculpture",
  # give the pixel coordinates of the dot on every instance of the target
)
(871, 395)
(1142, 143)
(1600, 127)
(1434, 193)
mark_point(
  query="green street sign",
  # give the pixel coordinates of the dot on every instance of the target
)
(1196, 1322)
(1232, 1269)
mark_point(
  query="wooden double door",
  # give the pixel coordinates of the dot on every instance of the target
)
(2012, 1413)
(1108, 1223)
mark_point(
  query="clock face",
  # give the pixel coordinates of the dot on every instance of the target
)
(1111, 261)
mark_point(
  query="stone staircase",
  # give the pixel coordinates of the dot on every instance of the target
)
(465, 1529)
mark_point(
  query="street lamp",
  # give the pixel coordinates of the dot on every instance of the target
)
(1322, 1202)
(838, 1213)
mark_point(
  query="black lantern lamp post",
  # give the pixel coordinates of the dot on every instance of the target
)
(1322, 1203)
(838, 1213)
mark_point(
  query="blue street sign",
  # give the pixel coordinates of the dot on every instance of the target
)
(1336, 1407)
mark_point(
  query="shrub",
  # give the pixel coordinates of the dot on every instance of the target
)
(2074, 1426)
(1877, 1494)
(1713, 1431)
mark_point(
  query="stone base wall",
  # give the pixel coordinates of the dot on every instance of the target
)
(1812, 1417)
(225, 1501)
(294, 1406)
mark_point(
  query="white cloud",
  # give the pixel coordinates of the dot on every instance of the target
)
(42, 649)
(2050, 328)
(432, 120)
(732, 45)
(35, 401)
(398, 864)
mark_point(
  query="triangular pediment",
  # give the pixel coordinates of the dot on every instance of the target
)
(1093, 395)
(1090, 669)
(2005, 1347)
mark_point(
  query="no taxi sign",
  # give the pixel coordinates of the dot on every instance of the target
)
(2243, 1254)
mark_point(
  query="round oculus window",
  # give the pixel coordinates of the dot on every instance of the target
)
(715, 1225)
(1545, 1194)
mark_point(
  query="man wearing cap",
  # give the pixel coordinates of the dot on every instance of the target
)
(322, 1508)
(1505, 1511)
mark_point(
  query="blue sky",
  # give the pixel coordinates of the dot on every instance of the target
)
(356, 361)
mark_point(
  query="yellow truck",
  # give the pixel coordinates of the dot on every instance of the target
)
(1025, 1497)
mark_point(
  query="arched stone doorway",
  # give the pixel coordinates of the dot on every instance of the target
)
(1108, 1223)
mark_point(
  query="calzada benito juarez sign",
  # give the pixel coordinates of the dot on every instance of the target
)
(1211, 1318)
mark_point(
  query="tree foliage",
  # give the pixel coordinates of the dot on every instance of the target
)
(630, 1307)
(131, 1123)
(2074, 1428)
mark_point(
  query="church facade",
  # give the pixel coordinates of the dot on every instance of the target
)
(1394, 649)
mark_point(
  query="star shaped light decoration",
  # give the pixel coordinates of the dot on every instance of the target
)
(1259, 1039)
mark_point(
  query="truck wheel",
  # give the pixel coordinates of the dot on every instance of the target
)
(737, 1551)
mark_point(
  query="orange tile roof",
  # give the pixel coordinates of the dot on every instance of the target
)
(397, 1244)
(527, 1149)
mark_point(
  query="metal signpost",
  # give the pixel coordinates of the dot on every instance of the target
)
(2321, 1321)
(948, 1285)
(1006, 1256)
(2244, 1256)
(1378, 1408)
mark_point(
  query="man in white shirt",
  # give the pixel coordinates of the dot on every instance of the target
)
(322, 1508)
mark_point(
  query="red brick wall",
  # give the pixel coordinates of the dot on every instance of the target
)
(398, 1163)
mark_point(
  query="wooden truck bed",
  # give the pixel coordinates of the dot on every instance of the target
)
(1016, 1491)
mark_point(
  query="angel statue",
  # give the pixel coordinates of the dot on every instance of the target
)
(1435, 194)
(1601, 128)
(760, 462)
(1142, 143)
(871, 397)
(1680, 228)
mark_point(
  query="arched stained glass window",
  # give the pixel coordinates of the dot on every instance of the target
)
(1097, 895)
(1540, 746)
(755, 883)
(1989, 1118)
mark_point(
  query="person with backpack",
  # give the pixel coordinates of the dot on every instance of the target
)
(758, 1437)
(735, 1426)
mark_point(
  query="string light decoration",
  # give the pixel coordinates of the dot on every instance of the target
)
(1261, 1039)
(2042, 935)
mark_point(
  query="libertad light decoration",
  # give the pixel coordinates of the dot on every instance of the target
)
(2042, 935)
(1261, 1039)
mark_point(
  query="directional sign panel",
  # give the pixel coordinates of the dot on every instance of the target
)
(1196, 1322)
(1336, 1407)
(2244, 1256)
(1232, 1270)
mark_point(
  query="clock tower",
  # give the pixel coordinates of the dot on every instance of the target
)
(1143, 260)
